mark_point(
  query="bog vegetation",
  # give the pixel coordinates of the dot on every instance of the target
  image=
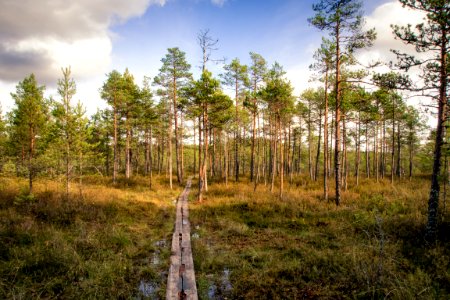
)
(337, 192)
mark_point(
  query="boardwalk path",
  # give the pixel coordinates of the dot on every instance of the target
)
(181, 280)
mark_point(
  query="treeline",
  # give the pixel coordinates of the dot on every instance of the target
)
(357, 124)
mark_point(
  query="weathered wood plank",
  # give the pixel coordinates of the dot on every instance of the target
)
(181, 279)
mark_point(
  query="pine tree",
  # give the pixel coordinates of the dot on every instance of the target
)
(29, 120)
(432, 37)
(236, 76)
(343, 20)
(173, 75)
(65, 121)
(113, 94)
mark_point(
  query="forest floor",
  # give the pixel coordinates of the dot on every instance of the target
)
(253, 245)
(110, 243)
(115, 242)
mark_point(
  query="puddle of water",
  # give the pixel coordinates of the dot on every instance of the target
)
(226, 284)
(161, 243)
(148, 289)
(155, 258)
(212, 291)
(223, 290)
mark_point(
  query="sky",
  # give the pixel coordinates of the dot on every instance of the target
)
(96, 37)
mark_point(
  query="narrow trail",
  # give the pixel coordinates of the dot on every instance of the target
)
(181, 280)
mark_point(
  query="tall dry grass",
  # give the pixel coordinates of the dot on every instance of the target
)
(101, 243)
(302, 247)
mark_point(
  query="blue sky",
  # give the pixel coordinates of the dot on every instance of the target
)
(95, 38)
(275, 29)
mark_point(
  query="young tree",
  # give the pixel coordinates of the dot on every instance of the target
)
(29, 120)
(343, 19)
(432, 37)
(65, 120)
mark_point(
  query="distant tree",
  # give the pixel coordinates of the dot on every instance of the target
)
(236, 76)
(343, 20)
(206, 94)
(113, 94)
(147, 120)
(324, 64)
(3, 138)
(130, 111)
(28, 120)
(278, 93)
(258, 70)
(99, 138)
(81, 146)
(432, 37)
(173, 75)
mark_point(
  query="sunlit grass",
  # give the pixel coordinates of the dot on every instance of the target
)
(101, 243)
(302, 247)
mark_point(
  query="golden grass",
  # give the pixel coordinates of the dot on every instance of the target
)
(303, 247)
(102, 243)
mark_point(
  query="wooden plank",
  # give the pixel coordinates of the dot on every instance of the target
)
(181, 279)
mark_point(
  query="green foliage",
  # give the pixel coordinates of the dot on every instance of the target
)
(28, 121)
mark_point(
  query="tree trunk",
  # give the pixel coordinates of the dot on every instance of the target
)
(200, 174)
(393, 142)
(325, 141)
(30, 160)
(433, 202)
(177, 142)
(316, 172)
(399, 152)
(195, 150)
(367, 151)
(281, 159)
(127, 149)
(310, 164)
(151, 157)
(116, 163)
(358, 147)
(170, 167)
(337, 160)
(236, 138)
(205, 151)
(274, 157)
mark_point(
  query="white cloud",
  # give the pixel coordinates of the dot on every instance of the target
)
(43, 37)
(219, 3)
(381, 19)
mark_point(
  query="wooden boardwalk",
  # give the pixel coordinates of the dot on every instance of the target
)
(181, 280)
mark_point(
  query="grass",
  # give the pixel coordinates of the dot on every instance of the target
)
(253, 245)
(105, 243)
